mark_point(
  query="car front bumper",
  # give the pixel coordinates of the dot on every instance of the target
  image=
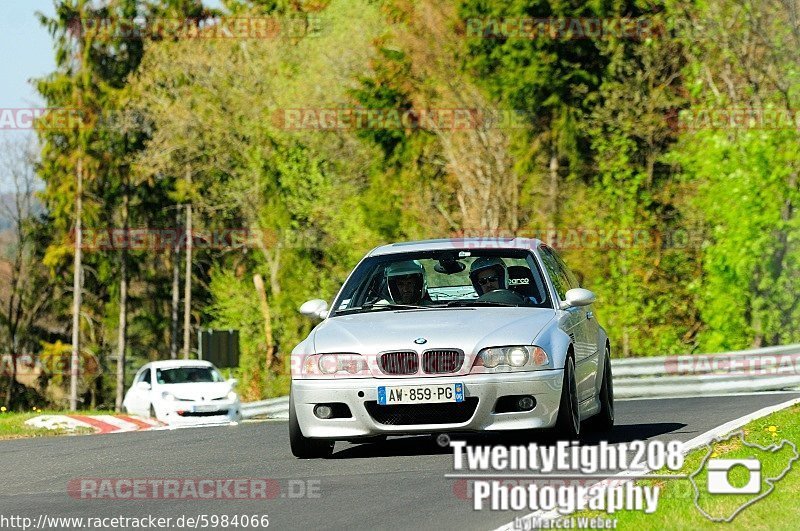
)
(183, 412)
(357, 394)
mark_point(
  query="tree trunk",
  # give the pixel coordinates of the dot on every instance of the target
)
(176, 295)
(76, 291)
(553, 189)
(187, 286)
(626, 343)
(13, 382)
(123, 304)
(258, 280)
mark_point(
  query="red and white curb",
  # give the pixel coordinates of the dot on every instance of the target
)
(99, 423)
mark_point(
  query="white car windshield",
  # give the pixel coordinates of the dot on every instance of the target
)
(441, 279)
(181, 375)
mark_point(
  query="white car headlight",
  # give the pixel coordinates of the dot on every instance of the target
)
(232, 395)
(344, 365)
(166, 395)
(512, 358)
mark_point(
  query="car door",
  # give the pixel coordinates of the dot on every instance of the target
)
(581, 322)
(138, 400)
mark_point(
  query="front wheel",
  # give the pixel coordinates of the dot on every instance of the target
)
(604, 420)
(568, 423)
(302, 446)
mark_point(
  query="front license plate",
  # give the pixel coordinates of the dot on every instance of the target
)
(204, 409)
(420, 394)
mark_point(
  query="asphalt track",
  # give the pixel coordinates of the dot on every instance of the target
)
(397, 484)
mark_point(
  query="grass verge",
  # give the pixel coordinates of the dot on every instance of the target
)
(777, 510)
(12, 425)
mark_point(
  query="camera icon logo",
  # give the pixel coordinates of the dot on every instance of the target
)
(743, 474)
(719, 471)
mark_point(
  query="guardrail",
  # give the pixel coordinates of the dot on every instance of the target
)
(761, 369)
(274, 408)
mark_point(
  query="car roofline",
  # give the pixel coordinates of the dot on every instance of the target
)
(472, 244)
(160, 364)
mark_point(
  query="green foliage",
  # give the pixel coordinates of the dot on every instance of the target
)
(235, 306)
(750, 283)
(598, 150)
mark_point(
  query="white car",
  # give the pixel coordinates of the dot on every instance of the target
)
(183, 392)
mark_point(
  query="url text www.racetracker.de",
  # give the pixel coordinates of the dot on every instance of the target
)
(194, 521)
(554, 481)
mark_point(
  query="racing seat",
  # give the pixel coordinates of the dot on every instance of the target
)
(520, 279)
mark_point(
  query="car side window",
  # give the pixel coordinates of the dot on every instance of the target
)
(554, 271)
(146, 375)
(570, 276)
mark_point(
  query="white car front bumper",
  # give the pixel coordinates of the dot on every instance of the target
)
(180, 412)
(481, 393)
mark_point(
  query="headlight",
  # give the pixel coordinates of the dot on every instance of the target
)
(513, 358)
(166, 395)
(517, 356)
(492, 357)
(335, 364)
(232, 395)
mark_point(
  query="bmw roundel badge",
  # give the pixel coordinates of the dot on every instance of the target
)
(420, 341)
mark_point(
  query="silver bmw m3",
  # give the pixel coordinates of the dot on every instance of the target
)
(453, 335)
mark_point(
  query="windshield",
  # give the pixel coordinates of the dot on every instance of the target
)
(180, 375)
(442, 279)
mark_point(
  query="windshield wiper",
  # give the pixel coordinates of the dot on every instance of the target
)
(390, 306)
(479, 303)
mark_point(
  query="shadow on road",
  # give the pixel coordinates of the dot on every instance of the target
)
(428, 445)
(400, 446)
(632, 432)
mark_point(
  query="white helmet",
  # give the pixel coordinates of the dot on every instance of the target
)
(403, 269)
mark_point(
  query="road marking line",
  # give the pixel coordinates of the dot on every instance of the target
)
(141, 423)
(99, 425)
(121, 423)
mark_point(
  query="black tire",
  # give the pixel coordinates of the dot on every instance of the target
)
(568, 423)
(604, 420)
(302, 446)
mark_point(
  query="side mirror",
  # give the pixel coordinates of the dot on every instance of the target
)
(144, 386)
(578, 297)
(315, 308)
(233, 382)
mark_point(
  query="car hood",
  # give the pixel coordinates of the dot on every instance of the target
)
(468, 329)
(197, 391)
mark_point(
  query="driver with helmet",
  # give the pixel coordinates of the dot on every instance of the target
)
(406, 283)
(488, 274)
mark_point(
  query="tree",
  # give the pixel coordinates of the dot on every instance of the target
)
(70, 88)
(743, 67)
(92, 67)
(24, 290)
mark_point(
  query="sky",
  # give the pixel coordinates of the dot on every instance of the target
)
(26, 51)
